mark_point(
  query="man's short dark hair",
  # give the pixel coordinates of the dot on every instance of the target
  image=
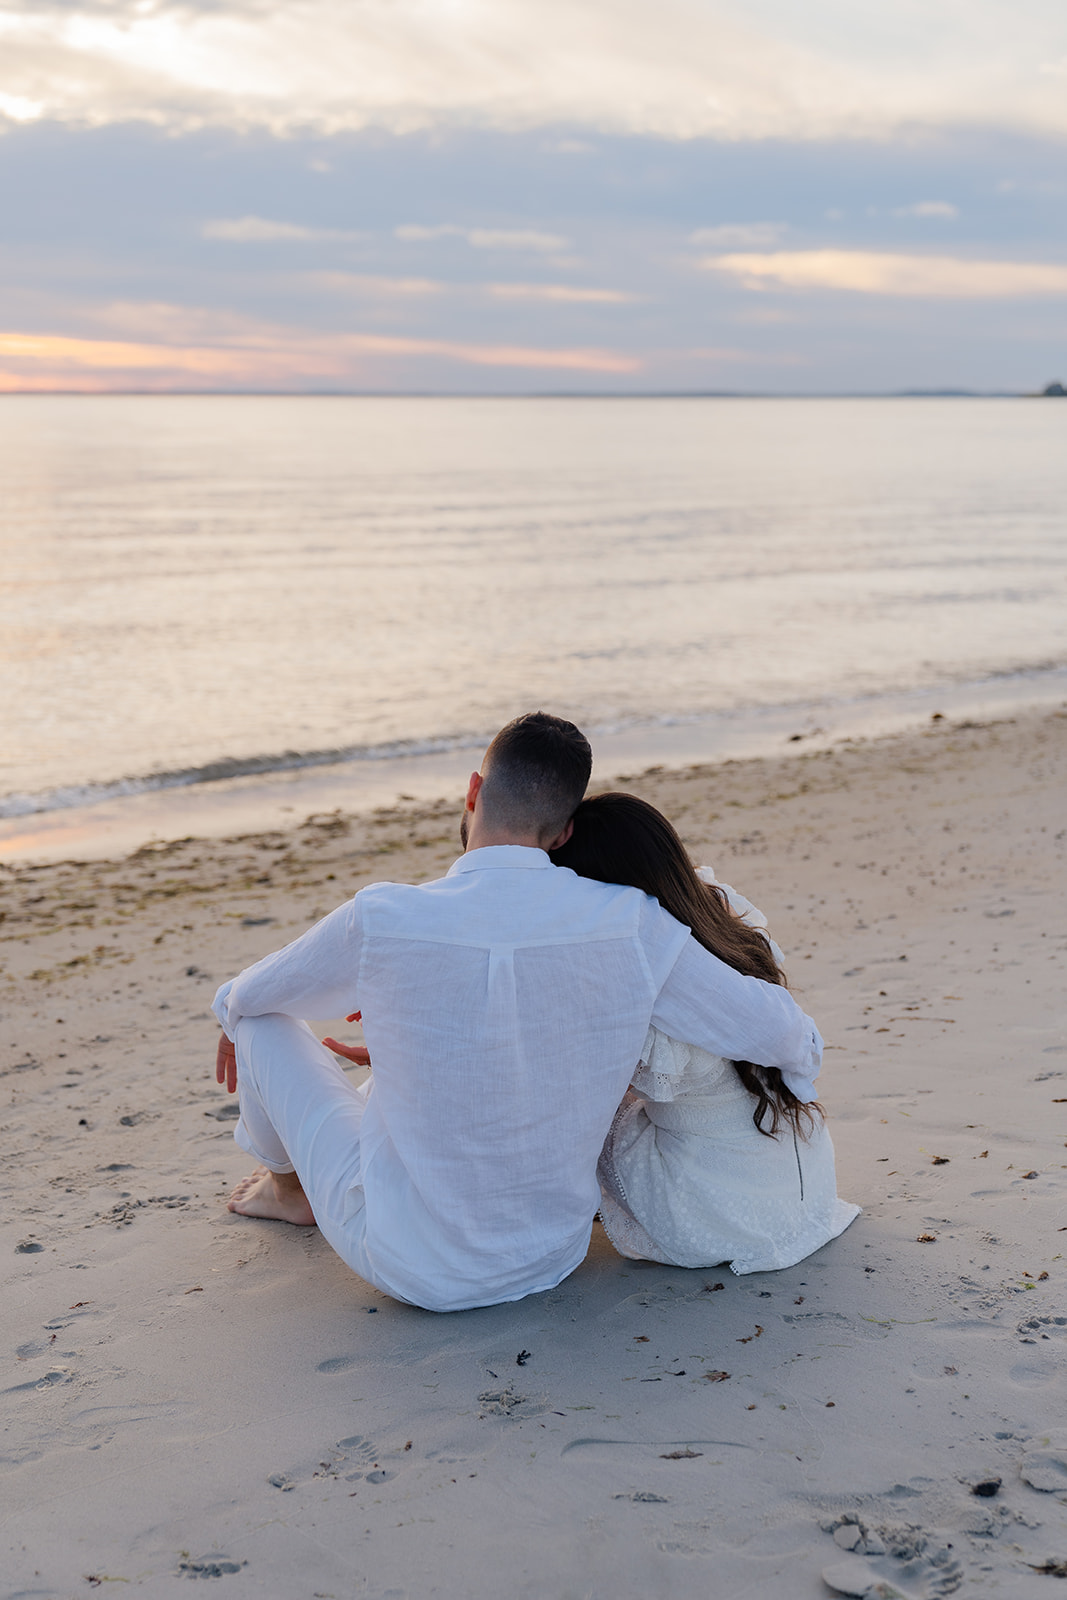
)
(535, 772)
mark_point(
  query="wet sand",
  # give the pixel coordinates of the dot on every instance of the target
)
(189, 1393)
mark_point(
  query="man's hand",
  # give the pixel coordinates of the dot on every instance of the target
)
(226, 1064)
(351, 1052)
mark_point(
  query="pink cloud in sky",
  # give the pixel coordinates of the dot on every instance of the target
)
(33, 361)
(888, 273)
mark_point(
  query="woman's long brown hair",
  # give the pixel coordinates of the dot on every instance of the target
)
(618, 838)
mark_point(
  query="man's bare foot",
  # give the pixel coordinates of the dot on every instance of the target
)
(278, 1196)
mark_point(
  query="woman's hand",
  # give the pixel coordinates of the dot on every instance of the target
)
(357, 1053)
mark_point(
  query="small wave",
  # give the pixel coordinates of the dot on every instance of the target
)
(68, 797)
(1052, 675)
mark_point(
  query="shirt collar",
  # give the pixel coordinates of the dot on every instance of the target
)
(493, 857)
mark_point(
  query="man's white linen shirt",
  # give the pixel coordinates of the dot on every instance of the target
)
(505, 1007)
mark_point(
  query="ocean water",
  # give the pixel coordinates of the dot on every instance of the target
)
(193, 587)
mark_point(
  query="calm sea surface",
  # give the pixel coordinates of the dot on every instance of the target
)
(259, 581)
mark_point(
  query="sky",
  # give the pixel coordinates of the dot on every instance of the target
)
(514, 196)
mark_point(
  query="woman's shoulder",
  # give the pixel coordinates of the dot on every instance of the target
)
(738, 904)
(743, 908)
(672, 1067)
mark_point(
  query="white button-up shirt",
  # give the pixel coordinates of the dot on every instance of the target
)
(505, 1007)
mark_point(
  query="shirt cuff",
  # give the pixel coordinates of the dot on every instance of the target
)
(801, 1080)
(221, 1006)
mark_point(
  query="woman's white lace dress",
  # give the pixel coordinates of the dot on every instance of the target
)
(687, 1179)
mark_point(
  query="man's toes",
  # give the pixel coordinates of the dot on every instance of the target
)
(242, 1189)
(247, 1197)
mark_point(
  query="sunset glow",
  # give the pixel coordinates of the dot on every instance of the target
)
(460, 194)
(47, 361)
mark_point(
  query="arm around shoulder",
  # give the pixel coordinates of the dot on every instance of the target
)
(706, 1003)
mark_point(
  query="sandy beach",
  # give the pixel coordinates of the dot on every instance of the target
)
(192, 1395)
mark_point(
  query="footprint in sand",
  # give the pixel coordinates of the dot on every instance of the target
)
(1045, 1466)
(1035, 1328)
(362, 1454)
(890, 1562)
(48, 1380)
(337, 1364)
(1038, 1370)
(95, 1427)
(351, 1459)
(121, 1214)
(836, 1328)
(663, 1450)
(507, 1402)
(214, 1565)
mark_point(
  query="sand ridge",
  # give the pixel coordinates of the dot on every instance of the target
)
(189, 1394)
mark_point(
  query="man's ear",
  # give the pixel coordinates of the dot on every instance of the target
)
(562, 837)
(472, 789)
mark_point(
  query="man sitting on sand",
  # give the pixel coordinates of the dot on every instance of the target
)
(505, 1007)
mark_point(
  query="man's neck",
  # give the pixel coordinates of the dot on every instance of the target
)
(482, 839)
(498, 840)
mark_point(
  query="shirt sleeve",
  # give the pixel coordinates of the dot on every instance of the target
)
(315, 976)
(707, 1003)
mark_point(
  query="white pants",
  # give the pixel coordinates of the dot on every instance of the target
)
(300, 1113)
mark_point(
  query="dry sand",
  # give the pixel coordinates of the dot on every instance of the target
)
(192, 1395)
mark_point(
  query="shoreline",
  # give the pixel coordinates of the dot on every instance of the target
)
(191, 1393)
(271, 799)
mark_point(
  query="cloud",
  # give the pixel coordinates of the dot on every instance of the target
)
(162, 323)
(736, 235)
(372, 286)
(928, 208)
(375, 286)
(678, 70)
(572, 293)
(483, 238)
(259, 230)
(910, 277)
(56, 355)
(18, 109)
(257, 357)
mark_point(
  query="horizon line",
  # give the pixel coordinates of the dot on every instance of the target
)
(541, 394)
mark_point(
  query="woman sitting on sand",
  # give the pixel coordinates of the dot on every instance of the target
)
(707, 1160)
